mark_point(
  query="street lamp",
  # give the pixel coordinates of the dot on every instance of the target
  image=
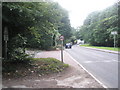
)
(114, 33)
(6, 39)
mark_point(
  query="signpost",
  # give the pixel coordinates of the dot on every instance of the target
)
(5, 39)
(62, 38)
(114, 33)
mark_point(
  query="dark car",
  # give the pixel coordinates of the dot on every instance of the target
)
(68, 45)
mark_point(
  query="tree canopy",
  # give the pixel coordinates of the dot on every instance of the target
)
(34, 24)
(98, 26)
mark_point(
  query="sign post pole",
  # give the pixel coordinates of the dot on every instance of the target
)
(62, 51)
(114, 33)
(5, 39)
(114, 41)
(62, 38)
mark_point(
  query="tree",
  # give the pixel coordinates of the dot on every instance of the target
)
(37, 23)
(98, 26)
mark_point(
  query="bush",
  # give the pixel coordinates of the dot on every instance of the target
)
(16, 48)
(38, 66)
(48, 65)
(58, 47)
(17, 54)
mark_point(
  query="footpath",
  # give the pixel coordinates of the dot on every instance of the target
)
(72, 77)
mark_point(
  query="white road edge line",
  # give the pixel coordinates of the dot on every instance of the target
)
(87, 71)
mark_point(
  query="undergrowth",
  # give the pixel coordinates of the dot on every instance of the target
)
(39, 66)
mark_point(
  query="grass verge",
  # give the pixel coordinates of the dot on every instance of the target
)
(99, 47)
(38, 66)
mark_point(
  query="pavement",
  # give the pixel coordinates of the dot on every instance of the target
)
(73, 77)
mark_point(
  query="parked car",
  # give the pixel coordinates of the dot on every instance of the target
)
(68, 45)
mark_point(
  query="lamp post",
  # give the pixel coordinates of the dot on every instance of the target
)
(114, 33)
(6, 39)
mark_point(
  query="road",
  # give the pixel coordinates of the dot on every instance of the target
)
(102, 65)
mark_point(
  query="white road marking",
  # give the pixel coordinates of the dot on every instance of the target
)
(87, 71)
(104, 61)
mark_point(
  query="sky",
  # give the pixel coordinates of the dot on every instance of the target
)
(79, 9)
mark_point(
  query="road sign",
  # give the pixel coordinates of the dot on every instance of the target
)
(6, 34)
(61, 38)
(114, 32)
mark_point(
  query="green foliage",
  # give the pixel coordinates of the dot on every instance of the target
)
(73, 38)
(98, 26)
(65, 28)
(37, 66)
(48, 65)
(17, 48)
(33, 25)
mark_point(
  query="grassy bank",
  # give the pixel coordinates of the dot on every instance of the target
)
(99, 47)
(37, 66)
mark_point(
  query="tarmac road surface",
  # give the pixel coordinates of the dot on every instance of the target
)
(102, 65)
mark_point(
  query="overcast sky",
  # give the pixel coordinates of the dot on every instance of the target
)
(79, 9)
